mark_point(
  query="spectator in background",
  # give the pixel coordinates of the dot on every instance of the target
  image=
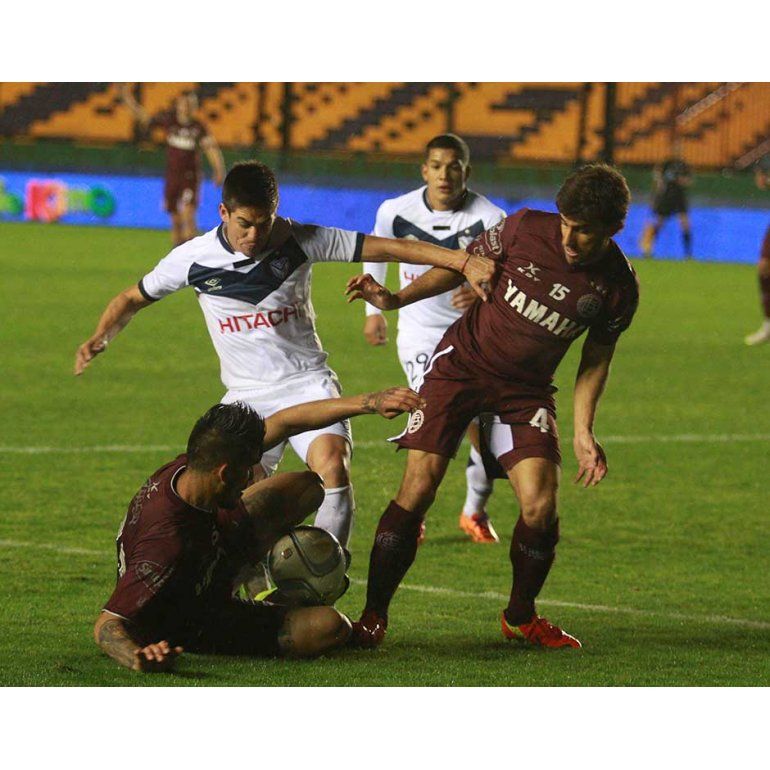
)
(762, 178)
(670, 183)
(184, 135)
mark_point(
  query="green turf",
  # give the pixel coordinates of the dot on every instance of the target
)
(675, 538)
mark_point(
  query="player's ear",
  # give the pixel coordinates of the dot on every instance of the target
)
(467, 173)
(424, 171)
(223, 212)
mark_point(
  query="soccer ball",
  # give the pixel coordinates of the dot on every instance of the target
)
(308, 566)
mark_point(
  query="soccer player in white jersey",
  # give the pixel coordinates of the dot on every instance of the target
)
(445, 212)
(252, 278)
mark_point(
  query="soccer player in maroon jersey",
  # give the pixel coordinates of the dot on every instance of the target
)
(559, 275)
(761, 335)
(184, 134)
(195, 524)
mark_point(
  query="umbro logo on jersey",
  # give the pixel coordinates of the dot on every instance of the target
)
(530, 271)
(280, 267)
(213, 284)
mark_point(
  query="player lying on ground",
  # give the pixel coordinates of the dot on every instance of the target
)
(252, 279)
(560, 275)
(196, 523)
(445, 212)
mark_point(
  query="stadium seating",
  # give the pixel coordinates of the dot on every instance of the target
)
(720, 124)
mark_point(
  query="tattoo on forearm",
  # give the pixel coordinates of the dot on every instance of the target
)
(114, 640)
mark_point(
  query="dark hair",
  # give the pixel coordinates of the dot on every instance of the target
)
(227, 434)
(595, 194)
(250, 183)
(450, 142)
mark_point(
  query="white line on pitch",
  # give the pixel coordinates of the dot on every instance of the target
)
(681, 438)
(489, 595)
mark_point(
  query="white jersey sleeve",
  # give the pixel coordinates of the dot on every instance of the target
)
(168, 276)
(328, 244)
(383, 228)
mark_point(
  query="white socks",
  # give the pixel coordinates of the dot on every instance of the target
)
(479, 486)
(336, 513)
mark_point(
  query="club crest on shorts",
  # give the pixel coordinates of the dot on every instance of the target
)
(415, 421)
(589, 305)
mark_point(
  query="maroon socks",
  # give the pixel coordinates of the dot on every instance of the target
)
(395, 546)
(532, 554)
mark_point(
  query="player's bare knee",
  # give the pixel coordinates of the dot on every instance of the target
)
(310, 631)
(332, 463)
(539, 511)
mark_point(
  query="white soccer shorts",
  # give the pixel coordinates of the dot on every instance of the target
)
(311, 386)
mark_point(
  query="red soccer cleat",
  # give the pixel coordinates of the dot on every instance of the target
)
(369, 631)
(479, 528)
(540, 633)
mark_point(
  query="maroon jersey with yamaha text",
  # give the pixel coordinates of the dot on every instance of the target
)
(540, 303)
(176, 563)
(182, 143)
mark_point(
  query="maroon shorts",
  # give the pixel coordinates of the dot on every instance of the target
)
(523, 422)
(237, 628)
(181, 190)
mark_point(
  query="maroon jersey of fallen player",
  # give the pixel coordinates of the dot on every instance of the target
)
(176, 563)
(182, 143)
(540, 302)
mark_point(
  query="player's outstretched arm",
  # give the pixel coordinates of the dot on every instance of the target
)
(591, 378)
(318, 414)
(435, 281)
(120, 310)
(479, 271)
(112, 636)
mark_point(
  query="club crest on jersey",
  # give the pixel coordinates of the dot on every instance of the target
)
(415, 421)
(213, 284)
(494, 237)
(280, 267)
(530, 271)
(589, 305)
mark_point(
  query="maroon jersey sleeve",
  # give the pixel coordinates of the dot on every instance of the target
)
(618, 312)
(494, 243)
(142, 578)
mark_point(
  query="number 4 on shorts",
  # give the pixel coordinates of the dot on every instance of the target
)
(540, 420)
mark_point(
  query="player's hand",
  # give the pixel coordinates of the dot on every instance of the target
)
(366, 288)
(156, 657)
(88, 351)
(376, 329)
(392, 402)
(480, 274)
(463, 297)
(592, 462)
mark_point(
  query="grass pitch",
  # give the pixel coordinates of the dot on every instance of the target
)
(661, 571)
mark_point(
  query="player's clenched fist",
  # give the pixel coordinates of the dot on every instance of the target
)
(392, 402)
(366, 288)
(480, 273)
(88, 350)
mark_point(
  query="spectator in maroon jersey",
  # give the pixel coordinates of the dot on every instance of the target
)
(762, 335)
(195, 524)
(184, 134)
(559, 275)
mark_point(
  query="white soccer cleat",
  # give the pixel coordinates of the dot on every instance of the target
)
(759, 336)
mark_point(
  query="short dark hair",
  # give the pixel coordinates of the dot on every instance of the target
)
(230, 434)
(250, 183)
(595, 194)
(450, 142)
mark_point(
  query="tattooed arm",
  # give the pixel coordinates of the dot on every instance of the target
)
(111, 634)
(318, 414)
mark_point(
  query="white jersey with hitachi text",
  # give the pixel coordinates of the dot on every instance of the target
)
(410, 216)
(258, 310)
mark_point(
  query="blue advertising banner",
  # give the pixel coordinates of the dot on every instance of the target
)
(719, 234)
